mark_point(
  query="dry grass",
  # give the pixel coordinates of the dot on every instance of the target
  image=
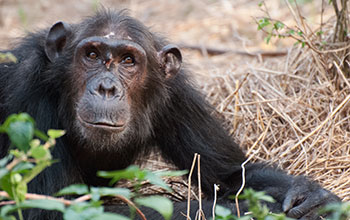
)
(300, 108)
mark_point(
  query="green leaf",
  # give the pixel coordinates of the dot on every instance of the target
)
(129, 173)
(319, 33)
(8, 217)
(6, 185)
(55, 133)
(246, 217)
(76, 189)
(156, 180)
(34, 143)
(107, 191)
(278, 25)
(82, 211)
(161, 204)
(171, 173)
(263, 23)
(291, 32)
(267, 39)
(41, 135)
(21, 191)
(24, 117)
(5, 210)
(222, 211)
(21, 133)
(39, 152)
(95, 195)
(23, 167)
(40, 166)
(4, 161)
(46, 204)
(110, 216)
(3, 172)
(267, 198)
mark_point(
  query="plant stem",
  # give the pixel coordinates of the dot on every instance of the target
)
(19, 210)
(20, 215)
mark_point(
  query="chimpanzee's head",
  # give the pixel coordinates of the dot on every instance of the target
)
(117, 70)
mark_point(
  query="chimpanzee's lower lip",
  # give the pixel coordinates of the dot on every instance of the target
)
(106, 126)
(102, 125)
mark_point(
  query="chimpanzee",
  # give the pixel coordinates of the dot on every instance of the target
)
(120, 91)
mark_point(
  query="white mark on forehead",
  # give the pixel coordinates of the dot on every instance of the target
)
(111, 34)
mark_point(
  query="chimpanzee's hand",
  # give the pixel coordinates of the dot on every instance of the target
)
(304, 199)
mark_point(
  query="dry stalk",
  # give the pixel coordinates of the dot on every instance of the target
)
(318, 127)
(189, 187)
(262, 136)
(200, 210)
(216, 189)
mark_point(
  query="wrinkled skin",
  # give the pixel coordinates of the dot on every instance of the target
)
(120, 92)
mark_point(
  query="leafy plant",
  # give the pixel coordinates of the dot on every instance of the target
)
(257, 210)
(27, 158)
(30, 154)
(339, 211)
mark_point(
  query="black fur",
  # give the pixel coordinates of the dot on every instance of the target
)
(170, 115)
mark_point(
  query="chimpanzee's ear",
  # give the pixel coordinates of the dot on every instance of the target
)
(56, 40)
(170, 59)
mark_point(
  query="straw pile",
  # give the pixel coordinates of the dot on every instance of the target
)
(292, 112)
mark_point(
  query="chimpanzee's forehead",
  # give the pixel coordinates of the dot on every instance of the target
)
(116, 31)
(114, 25)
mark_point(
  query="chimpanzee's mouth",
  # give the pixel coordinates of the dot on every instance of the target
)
(103, 124)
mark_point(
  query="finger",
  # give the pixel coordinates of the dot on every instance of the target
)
(291, 201)
(311, 216)
(299, 211)
(309, 208)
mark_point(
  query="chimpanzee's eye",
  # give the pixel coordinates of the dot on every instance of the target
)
(92, 55)
(128, 60)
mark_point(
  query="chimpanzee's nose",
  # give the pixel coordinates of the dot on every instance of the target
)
(107, 88)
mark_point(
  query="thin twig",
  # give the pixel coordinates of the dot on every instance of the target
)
(318, 127)
(35, 197)
(243, 184)
(68, 202)
(341, 74)
(261, 137)
(130, 203)
(229, 98)
(83, 198)
(215, 51)
(216, 189)
(201, 214)
(236, 107)
(13, 163)
(189, 187)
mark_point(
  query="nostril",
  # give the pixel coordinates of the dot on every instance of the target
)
(107, 90)
(113, 91)
(101, 90)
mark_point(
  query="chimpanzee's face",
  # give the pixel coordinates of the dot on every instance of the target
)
(110, 74)
(109, 69)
